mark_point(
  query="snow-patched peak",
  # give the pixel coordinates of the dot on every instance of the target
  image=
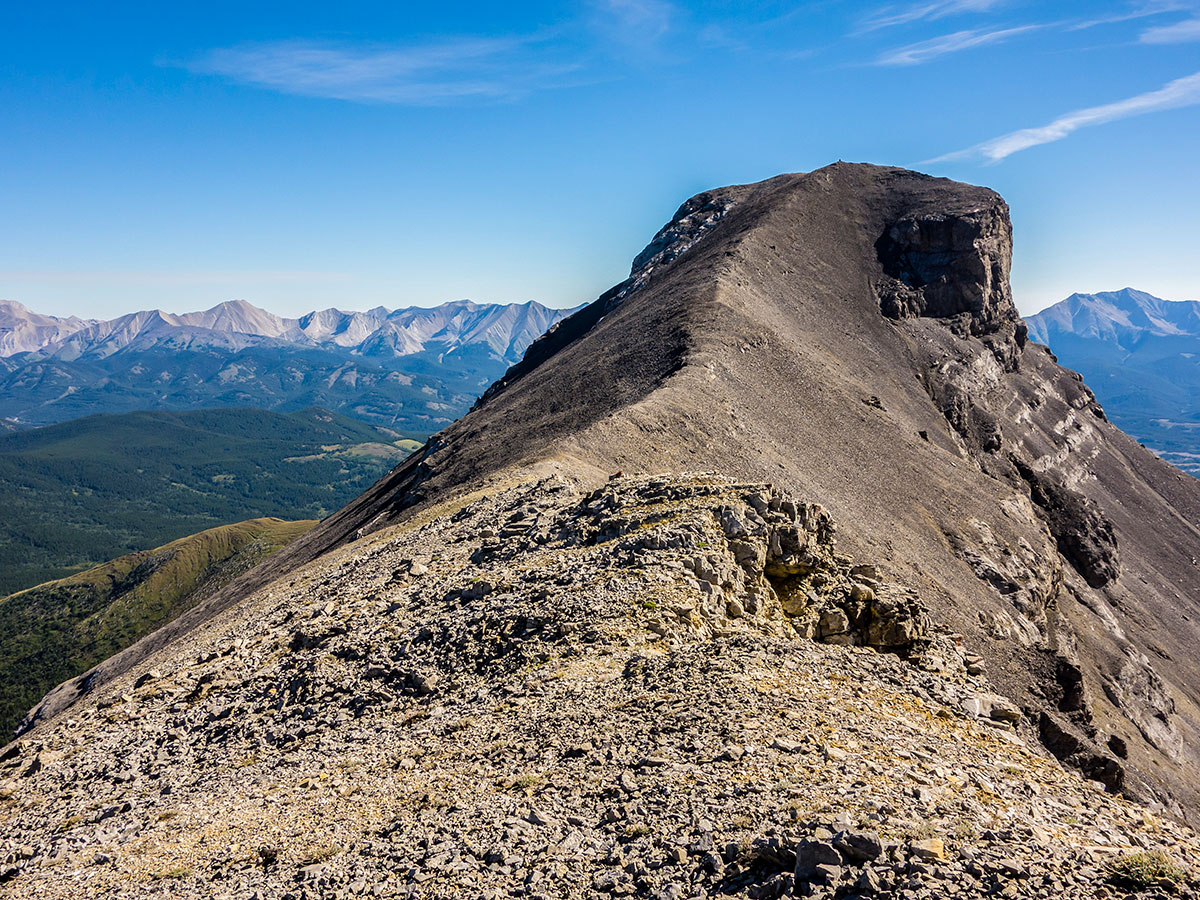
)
(1116, 316)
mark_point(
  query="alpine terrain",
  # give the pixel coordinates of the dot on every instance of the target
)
(412, 369)
(788, 567)
(1141, 354)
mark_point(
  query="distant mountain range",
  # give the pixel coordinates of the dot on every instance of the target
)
(413, 369)
(1141, 356)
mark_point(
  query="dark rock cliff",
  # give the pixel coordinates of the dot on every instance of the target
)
(951, 267)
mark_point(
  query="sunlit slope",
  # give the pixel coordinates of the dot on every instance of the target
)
(57, 630)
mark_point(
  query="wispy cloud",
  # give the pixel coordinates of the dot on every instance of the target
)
(1137, 11)
(446, 72)
(1179, 33)
(456, 70)
(634, 31)
(891, 16)
(1178, 93)
(635, 21)
(718, 37)
(924, 51)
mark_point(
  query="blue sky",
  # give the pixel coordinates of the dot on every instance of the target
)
(311, 154)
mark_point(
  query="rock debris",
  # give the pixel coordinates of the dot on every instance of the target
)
(673, 686)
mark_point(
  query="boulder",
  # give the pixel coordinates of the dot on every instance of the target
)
(811, 854)
(858, 847)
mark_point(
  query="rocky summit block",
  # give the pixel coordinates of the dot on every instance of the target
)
(550, 691)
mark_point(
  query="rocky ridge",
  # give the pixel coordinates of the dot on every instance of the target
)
(672, 686)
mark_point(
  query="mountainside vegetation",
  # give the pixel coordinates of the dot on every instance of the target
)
(60, 629)
(85, 491)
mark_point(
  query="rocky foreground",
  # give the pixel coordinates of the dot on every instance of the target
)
(670, 687)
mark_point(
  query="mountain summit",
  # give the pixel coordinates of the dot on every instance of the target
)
(850, 333)
(912, 561)
(1125, 317)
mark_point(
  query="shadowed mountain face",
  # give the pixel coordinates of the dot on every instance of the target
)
(849, 336)
(1141, 354)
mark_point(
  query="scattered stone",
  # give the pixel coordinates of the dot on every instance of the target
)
(811, 855)
(858, 846)
(508, 726)
(928, 848)
(992, 706)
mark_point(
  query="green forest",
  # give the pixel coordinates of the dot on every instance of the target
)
(89, 490)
